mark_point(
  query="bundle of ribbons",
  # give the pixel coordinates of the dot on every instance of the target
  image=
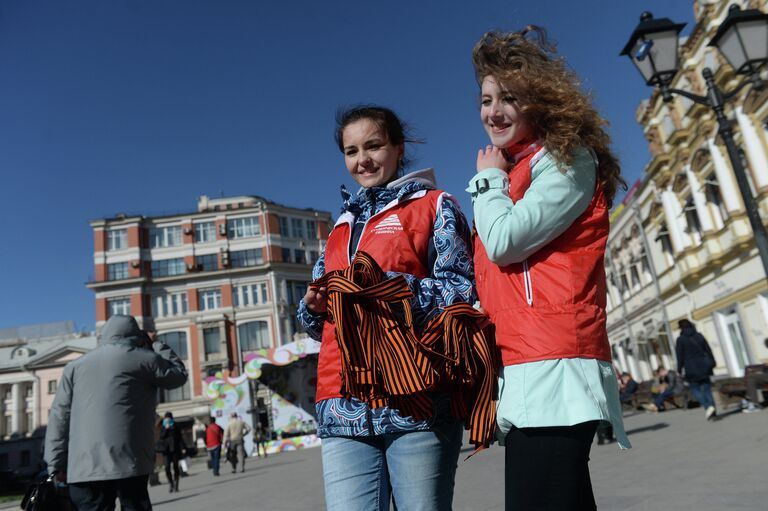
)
(386, 363)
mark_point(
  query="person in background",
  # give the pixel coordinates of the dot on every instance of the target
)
(259, 440)
(214, 436)
(234, 439)
(668, 384)
(696, 363)
(627, 388)
(100, 435)
(173, 449)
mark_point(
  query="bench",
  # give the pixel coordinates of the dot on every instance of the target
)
(737, 387)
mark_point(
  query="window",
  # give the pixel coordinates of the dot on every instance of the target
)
(28, 391)
(243, 258)
(311, 226)
(52, 384)
(247, 227)
(287, 255)
(208, 262)
(249, 294)
(8, 424)
(165, 236)
(297, 228)
(253, 335)
(715, 199)
(666, 244)
(170, 305)
(119, 306)
(205, 232)
(29, 422)
(7, 393)
(117, 271)
(296, 291)
(284, 227)
(168, 267)
(693, 225)
(300, 256)
(635, 275)
(211, 340)
(314, 255)
(117, 239)
(624, 285)
(210, 299)
(177, 341)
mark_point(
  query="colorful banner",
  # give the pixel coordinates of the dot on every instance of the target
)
(293, 390)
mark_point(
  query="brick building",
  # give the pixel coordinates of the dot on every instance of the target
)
(215, 283)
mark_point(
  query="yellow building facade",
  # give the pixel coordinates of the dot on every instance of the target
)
(681, 245)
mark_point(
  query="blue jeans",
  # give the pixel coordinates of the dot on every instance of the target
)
(418, 468)
(702, 391)
(215, 459)
(659, 399)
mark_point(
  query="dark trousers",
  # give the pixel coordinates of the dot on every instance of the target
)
(659, 399)
(548, 468)
(171, 460)
(101, 495)
(215, 459)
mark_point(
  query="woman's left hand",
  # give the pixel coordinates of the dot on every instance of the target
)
(491, 158)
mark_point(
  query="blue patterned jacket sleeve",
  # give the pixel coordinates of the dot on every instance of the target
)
(453, 274)
(313, 323)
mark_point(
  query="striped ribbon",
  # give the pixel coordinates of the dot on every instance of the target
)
(385, 363)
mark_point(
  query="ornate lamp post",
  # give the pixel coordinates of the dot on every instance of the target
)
(743, 40)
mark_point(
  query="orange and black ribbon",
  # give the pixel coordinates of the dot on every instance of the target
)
(384, 362)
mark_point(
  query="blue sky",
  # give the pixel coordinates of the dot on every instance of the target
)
(140, 106)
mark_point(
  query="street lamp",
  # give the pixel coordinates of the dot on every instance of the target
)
(743, 40)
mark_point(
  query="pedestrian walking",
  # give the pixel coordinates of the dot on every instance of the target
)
(259, 440)
(173, 449)
(541, 196)
(234, 440)
(100, 434)
(214, 436)
(696, 363)
(410, 228)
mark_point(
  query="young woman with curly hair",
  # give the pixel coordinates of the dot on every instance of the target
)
(541, 197)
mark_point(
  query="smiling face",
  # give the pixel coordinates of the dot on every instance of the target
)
(500, 115)
(370, 158)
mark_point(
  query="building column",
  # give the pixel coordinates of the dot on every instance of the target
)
(753, 147)
(17, 408)
(725, 179)
(699, 200)
(672, 213)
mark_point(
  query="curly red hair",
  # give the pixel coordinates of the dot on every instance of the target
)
(549, 96)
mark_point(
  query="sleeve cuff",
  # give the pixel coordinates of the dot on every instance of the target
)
(495, 179)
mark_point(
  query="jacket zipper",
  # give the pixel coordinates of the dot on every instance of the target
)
(528, 283)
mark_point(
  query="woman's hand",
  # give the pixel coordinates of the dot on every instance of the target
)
(491, 158)
(316, 300)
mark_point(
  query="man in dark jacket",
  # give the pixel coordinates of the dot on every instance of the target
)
(696, 362)
(173, 449)
(100, 436)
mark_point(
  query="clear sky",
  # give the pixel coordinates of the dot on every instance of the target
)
(140, 106)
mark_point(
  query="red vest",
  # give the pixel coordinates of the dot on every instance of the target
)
(398, 239)
(552, 305)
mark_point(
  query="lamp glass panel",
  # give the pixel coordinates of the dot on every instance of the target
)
(754, 35)
(664, 51)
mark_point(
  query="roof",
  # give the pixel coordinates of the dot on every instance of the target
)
(32, 352)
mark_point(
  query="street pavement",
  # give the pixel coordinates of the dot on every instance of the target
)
(679, 462)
